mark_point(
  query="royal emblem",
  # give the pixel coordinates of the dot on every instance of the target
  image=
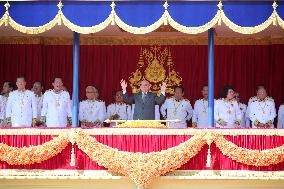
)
(155, 65)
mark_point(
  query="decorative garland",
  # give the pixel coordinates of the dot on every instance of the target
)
(250, 157)
(113, 18)
(142, 168)
(33, 154)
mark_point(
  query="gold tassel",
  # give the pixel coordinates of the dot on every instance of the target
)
(219, 22)
(208, 161)
(72, 161)
(166, 21)
(59, 21)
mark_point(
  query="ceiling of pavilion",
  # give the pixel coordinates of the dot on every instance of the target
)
(142, 17)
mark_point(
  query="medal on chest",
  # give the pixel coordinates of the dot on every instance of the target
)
(204, 107)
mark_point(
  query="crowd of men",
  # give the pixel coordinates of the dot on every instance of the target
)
(21, 107)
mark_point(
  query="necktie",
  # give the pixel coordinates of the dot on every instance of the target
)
(143, 96)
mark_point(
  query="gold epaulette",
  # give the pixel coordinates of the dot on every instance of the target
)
(252, 99)
(270, 98)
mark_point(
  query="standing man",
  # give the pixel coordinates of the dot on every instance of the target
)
(8, 86)
(255, 98)
(200, 112)
(56, 110)
(37, 89)
(280, 122)
(21, 106)
(92, 112)
(177, 107)
(262, 110)
(118, 110)
(144, 101)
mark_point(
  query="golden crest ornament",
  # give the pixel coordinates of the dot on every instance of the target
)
(155, 65)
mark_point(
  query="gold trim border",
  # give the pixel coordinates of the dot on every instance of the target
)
(104, 174)
(113, 18)
(139, 40)
(143, 131)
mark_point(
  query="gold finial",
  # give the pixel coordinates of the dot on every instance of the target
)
(7, 6)
(220, 5)
(112, 5)
(166, 5)
(60, 5)
(274, 5)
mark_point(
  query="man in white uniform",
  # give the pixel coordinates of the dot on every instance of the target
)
(177, 107)
(37, 89)
(92, 112)
(119, 110)
(200, 112)
(8, 86)
(255, 98)
(262, 110)
(280, 122)
(56, 110)
(21, 106)
(245, 123)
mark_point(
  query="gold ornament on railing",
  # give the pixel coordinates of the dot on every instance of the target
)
(142, 123)
(155, 65)
(209, 139)
(72, 138)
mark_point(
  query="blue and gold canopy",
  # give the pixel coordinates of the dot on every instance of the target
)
(141, 17)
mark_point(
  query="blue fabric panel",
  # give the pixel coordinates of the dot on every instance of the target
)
(248, 14)
(2, 9)
(139, 14)
(280, 9)
(86, 14)
(33, 14)
(192, 14)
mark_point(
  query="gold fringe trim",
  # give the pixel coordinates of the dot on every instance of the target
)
(142, 40)
(86, 30)
(280, 21)
(194, 30)
(165, 19)
(139, 30)
(2, 20)
(247, 30)
(35, 30)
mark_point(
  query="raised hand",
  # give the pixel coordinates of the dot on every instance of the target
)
(123, 84)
